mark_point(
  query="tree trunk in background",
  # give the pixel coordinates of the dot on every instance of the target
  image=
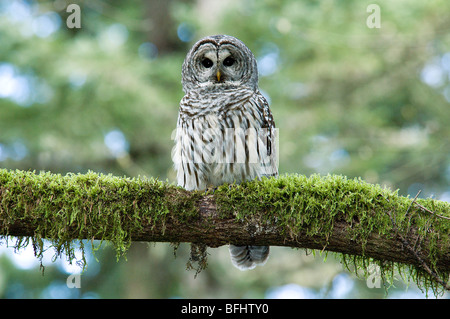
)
(162, 30)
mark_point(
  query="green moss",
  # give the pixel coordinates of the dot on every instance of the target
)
(68, 209)
(296, 203)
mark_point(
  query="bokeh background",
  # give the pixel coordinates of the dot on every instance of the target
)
(347, 99)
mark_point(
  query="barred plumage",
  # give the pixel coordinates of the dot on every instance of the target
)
(225, 130)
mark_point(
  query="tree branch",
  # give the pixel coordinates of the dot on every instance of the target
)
(330, 213)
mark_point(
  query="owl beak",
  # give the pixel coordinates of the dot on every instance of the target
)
(218, 75)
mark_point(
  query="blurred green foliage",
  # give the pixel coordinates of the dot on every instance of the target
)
(347, 99)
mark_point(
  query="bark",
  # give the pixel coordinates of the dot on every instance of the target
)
(47, 206)
(214, 231)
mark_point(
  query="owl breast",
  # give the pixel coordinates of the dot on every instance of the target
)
(220, 143)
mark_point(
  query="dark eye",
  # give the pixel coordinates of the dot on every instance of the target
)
(207, 63)
(229, 61)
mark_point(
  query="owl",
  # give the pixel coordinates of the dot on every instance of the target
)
(225, 130)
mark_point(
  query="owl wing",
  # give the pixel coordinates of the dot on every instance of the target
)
(267, 138)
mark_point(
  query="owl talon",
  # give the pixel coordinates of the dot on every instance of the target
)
(213, 189)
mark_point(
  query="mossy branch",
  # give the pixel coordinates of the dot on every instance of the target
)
(362, 222)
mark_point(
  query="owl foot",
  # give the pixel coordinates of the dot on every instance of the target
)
(210, 189)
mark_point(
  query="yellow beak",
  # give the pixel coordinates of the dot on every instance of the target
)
(218, 76)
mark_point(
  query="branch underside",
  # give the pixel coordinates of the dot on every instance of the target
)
(325, 213)
(214, 231)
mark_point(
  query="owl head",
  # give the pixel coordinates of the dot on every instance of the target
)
(219, 62)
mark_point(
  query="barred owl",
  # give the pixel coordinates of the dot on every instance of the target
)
(225, 131)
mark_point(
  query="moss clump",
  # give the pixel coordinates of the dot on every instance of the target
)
(67, 209)
(313, 204)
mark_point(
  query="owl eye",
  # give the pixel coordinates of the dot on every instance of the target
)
(207, 63)
(229, 61)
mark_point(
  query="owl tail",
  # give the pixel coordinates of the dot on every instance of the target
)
(248, 257)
